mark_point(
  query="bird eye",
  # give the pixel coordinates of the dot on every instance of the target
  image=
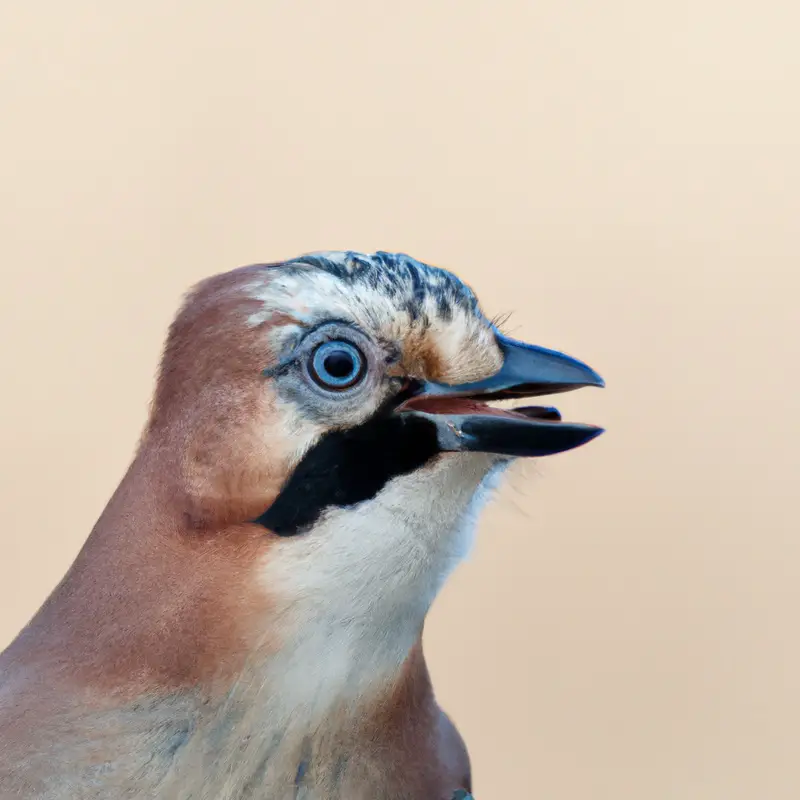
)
(337, 365)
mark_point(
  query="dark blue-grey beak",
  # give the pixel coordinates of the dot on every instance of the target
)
(464, 422)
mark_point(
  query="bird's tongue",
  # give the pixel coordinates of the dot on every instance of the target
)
(468, 405)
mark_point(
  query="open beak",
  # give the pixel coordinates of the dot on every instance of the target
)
(464, 421)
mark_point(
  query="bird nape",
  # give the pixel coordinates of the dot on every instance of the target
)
(245, 619)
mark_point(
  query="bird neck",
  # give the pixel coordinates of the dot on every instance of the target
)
(267, 657)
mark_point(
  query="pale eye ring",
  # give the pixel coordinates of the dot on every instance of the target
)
(337, 365)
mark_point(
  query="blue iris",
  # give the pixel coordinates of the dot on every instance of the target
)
(337, 365)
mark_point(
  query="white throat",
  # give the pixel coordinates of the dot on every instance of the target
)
(355, 589)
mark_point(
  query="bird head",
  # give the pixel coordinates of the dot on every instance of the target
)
(342, 403)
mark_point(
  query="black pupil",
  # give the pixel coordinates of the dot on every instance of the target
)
(339, 364)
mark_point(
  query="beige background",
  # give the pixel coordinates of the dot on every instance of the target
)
(621, 175)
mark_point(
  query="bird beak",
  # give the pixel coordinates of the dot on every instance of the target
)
(464, 421)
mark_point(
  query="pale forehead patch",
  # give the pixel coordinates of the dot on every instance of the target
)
(391, 296)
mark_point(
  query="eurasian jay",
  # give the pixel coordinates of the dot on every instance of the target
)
(245, 619)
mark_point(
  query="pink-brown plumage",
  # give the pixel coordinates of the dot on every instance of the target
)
(191, 652)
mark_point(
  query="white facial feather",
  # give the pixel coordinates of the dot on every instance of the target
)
(464, 342)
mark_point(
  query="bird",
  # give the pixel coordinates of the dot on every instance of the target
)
(245, 618)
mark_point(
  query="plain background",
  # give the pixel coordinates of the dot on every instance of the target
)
(623, 176)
